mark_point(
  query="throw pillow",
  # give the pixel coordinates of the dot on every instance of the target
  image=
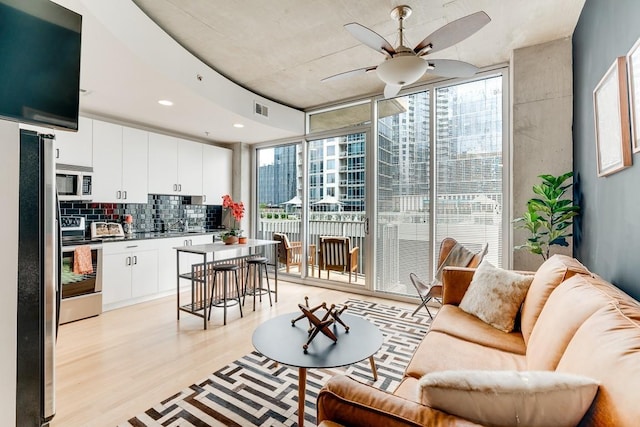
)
(510, 398)
(495, 295)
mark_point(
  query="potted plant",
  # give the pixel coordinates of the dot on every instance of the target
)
(236, 209)
(549, 215)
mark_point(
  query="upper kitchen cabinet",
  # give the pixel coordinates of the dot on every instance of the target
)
(216, 173)
(76, 148)
(119, 164)
(175, 166)
(190, 167)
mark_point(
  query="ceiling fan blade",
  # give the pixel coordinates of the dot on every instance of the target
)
(350, 73)
(391, 91)
(452, 33)
(370, 38)
(450, 68)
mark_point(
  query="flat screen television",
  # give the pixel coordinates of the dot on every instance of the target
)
(39, 63)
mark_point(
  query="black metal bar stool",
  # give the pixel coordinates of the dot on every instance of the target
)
(225, 270)
(257, 265)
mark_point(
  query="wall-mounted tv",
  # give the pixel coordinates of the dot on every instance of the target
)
(39, 63)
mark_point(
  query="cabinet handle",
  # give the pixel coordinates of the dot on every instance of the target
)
(190, 242)
(179, 187)
(124, 194)
(132, 246)
(128, 260)
(118, 194)
(57, 153)
(175, 187)
(135, 259)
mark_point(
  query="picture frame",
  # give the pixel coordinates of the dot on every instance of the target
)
(633, 76)
(611, 109)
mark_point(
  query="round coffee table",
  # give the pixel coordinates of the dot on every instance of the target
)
(281, 342)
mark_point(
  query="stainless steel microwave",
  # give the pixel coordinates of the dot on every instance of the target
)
(74, 183)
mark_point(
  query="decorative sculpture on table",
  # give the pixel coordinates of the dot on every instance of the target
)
(316, 324)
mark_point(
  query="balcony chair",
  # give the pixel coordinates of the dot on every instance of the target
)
(337, 255)
(290, 253)
(451, 254)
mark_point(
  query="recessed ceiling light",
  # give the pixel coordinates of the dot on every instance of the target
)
(165, 102)
(238, 125)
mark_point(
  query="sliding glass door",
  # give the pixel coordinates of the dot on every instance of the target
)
(337, 209)
(439, 174)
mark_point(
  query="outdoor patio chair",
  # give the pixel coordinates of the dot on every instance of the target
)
(452, 254)
(337, 255)
(290, 253)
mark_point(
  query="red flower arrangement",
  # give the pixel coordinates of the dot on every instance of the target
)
(237, 211)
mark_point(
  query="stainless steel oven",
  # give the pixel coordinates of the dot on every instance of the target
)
(81, 293)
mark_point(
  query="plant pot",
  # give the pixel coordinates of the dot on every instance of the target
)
(230, 240)
(242, 240)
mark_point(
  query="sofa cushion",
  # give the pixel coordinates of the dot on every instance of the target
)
(508, 398)
(568, 306)
(551, 273)
(495, 295)
(442, 352)
(454, 321)
(606, 347)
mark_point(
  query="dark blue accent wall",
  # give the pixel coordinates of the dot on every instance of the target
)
(607, 236)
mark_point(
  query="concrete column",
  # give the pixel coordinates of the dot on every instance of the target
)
(241, 182)
(542, 117)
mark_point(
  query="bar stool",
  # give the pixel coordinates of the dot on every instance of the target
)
(225, 270)
(258, 265)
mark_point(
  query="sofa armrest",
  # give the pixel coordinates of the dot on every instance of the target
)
(348, 402)
(455, 282)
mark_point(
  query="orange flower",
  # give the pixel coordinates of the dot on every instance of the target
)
(236, 208)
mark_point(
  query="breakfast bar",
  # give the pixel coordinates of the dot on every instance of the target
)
(200, 274)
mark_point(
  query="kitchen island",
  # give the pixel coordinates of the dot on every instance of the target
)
(203, 257)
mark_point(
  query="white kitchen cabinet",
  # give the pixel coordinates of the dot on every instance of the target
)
(76, 148)
(163, 164)
(129, 272)
(119, 164)
(135, 153)
(175, 166)
(216, 173)
(189, 167)
(107, 162)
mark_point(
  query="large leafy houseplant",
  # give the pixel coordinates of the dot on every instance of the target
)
(549, 215)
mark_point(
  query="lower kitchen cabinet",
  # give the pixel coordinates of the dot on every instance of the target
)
(128, 275)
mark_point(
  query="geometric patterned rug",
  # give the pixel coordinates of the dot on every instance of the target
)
(254, 391)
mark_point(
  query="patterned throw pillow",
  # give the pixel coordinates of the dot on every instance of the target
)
(495, 295)
(510, 398)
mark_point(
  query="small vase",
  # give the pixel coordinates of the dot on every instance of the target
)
(231, 240)
(242, 240)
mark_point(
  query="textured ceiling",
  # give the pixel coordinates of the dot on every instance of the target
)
(282, 49)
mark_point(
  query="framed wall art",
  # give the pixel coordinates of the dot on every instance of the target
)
(611, 108)
(633, 75)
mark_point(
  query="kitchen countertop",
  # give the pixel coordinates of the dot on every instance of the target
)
(144, 236)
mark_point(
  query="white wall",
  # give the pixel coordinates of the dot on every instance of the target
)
(9, 173)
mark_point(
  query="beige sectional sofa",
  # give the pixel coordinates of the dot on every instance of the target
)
(571, 321)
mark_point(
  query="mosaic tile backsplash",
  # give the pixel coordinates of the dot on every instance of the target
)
(161, 213)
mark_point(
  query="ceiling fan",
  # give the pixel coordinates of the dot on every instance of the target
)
(403, 65)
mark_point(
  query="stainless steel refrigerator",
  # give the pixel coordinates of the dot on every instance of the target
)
(38, 281)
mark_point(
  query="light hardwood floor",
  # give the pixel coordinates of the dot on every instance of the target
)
(115, 366)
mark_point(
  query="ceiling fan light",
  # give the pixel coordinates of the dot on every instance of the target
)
(402, 70)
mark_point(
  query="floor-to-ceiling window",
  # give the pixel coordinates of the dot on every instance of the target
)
(439, 174)
(437, 167)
